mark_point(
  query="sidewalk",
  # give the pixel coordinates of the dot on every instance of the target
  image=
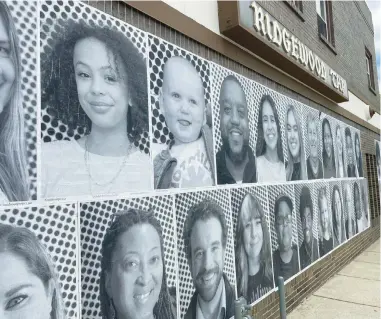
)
(353, 293)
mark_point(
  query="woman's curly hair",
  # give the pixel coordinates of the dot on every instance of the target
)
(59, 89)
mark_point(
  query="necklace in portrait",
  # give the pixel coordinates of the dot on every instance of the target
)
(108, 184)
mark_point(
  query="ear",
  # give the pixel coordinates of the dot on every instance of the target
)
(206, 114)
(161, 102)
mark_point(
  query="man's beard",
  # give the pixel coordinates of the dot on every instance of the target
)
(207, 293)
(236, 158)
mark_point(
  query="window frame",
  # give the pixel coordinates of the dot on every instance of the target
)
(328, 39)
(370, 70)
(298, 10)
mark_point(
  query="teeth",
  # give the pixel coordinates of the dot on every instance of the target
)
(144, 296)
(235, 134)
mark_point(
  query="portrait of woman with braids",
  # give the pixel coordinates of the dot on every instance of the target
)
(133, 283)
(94, 82)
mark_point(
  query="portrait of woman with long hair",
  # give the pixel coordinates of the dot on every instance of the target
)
(269, 149)
(329, 167)
(351, 167)
(95, 80)
(133, 281)
(253, 251)
(338, 220)
(350, 227)
(314, 164)
(14, 181)
(358, 156)
(325, 225)
(27, 277)
(340, 170)
(296, 163)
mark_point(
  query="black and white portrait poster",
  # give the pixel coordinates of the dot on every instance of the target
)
(128, 258)
(365, 203)
(324, 205)
(328, 125)
(94, 104)
(182, 137)
(234, 121)
(205, 254)
(18, 101)
(252, 242)
(284, 231)
(360, 215)
(348, 199)
(353, 153)
(338, 215)
(340, 149)
(308, 220)
(313, 143)
(39, 260)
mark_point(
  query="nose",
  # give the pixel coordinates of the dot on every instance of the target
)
(234, 119)
(252, 230)
(144, 277)
(97, 86)
(184, 107)
(208, 260)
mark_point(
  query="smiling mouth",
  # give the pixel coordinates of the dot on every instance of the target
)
(100, 104)
(270, 136)
(209, 278)
(235, 132)
(142, 298)
(184, 122)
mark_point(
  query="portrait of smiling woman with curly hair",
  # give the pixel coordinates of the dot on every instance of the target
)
(94, 82)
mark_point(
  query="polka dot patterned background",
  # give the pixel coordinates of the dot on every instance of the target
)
(183, 202)
(298, 190)
(318, 186)
(53, 16)
(24, 14)
(274, 191)
(95, 218)
(56, 228)
(159, 51)
(331, 186)
(237, 196)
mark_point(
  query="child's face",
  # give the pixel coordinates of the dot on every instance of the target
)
(182, 100)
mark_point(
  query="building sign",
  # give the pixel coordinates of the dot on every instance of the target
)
(269, 28)
(247, 23)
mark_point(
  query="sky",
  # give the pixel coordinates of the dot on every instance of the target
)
(375, 8)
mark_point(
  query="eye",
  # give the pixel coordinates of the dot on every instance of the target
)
(111, 79)
(247, 225)
(289, 128)
(4, 51)
(227, 110)
(83, 74)
(154, 260)
(215, 248)
(199, 254)
(14, 302)
(130, 265)
(175, 95)
(192, 101)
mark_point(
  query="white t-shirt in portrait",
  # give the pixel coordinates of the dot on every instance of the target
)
(3, 198)
(65, 173)
(193, 168)
(270, 172)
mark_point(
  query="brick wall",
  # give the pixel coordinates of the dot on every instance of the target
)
(353, 31)
(312, 278)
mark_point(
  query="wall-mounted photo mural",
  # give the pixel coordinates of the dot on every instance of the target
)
(143, 180)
